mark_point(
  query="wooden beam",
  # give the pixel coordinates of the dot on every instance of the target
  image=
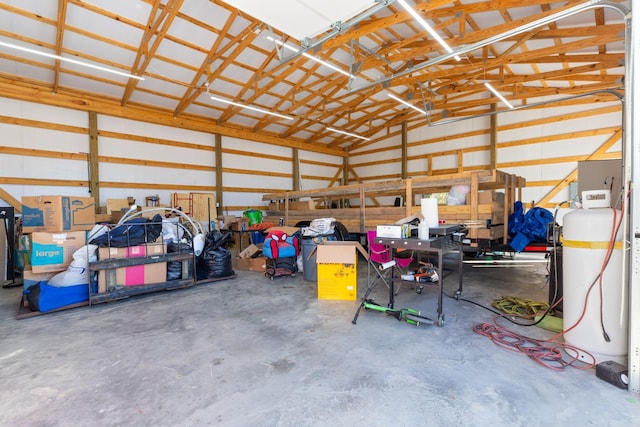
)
(296, 170)
(219, 174)
(403, 151)
(493, 139)
(239, 43)
(94, 163)
(60, 27)
(12, 201)
(146, 53)
(574, 173)
(15, 89)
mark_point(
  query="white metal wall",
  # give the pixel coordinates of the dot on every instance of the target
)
(114, 142)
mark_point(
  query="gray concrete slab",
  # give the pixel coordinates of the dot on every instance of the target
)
(256, 352)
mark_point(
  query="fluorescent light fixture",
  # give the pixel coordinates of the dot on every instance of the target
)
(427, 27)
(311, 57)
(348, 133)
(73, 61)
(499, 95)
(402, 101)
(249, 107)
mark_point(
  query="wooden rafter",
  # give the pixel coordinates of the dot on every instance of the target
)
(571, 177)
(239, 42)
(583, 56)
(153, 32)
(62, 16)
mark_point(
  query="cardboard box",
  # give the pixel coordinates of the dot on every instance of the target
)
(57, 213)
(337, 264)
(394, 231)
(29, 278)
(252, 264)
(114, 205)
(490, 196)
(483, 232)
(150, 211)
(250, 251)
(143, 274)
(303, 205)
(54, 251)
(226, 221)
(242, 224)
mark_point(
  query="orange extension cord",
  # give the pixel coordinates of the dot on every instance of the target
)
(550, 353)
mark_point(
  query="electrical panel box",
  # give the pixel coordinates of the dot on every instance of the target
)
(601, 175)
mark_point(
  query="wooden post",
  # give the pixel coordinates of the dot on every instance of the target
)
(509, 195)
(363, 228)
(286, 208)
(345, 171)
(473, 196)
(345, 180)
(493, 144)
(296, 170)
(403, 150)
(94, 162)
(219, 186)
(408, 197)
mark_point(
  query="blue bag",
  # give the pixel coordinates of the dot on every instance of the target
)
(43, 297)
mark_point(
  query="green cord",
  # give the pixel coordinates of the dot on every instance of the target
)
(520, 306)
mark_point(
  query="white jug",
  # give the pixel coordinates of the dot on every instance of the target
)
(423, 230)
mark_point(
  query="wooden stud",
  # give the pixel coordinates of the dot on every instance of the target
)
(219, 174)
(94, 163)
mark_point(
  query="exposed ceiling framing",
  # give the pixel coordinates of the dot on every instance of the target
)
(189, 50)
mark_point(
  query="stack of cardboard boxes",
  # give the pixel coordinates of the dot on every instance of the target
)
(54, 227)
(251, 259)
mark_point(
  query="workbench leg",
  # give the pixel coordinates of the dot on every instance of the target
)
(460, 267)
(440, 320)
(391, 289)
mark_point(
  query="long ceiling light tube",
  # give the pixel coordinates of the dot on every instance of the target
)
(249, 107)
(70, 60)
(348, 133)
(592, 4)
(402, 101)
(427, 27)
(499, 95)
(311, 57)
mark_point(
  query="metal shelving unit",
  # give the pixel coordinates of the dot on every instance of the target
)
(115, 291)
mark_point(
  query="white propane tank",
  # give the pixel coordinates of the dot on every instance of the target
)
(586, 236)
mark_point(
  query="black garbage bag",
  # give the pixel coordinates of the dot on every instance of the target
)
(133, 232)
(215, 261)
(174, 268)
(33, 297)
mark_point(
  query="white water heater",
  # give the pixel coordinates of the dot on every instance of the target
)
(586, 236)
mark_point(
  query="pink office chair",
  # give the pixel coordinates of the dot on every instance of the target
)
(381, 254)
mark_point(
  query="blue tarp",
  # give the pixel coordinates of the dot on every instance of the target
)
(529, 227)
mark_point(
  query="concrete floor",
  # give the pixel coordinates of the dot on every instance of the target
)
(256, 352)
